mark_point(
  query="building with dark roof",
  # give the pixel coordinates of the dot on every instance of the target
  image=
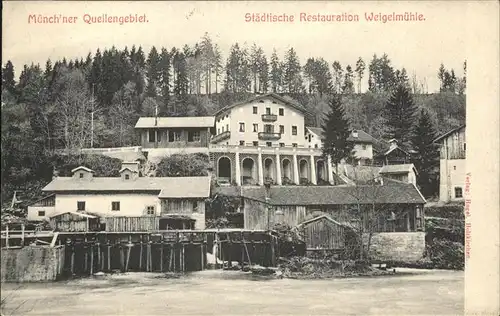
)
(452, 147)
(363, 143)
(130, 195)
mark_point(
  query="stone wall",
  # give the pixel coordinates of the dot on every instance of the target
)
(32, 264)
(400, 246)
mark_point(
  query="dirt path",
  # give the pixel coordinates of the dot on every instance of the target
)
(236, 293)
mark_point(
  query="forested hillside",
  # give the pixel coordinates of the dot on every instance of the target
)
(95, 100)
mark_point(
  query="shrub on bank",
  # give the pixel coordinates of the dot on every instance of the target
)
(455, 211)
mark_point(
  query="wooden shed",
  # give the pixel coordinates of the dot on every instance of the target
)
(75, 222)
(322, 233)
(132, 224)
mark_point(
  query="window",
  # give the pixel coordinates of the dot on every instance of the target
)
(242, 127)
(174, 136)
(218, 131)
(223, 129)
(81, 175)
(242, 143)
(315, 145)
(158, 136)
(150, 210)
(41, 213)
(364, 147)
(458, 192)
(194, 136)
(282, 129)
(80, 206)
(281, 111)
(115, 206)
(268, 128)
(254, 110)
(294, 145)
(127, 176)
(256, 128)
(195, 207)
(464, 147)
(256, 144)
(227, 127)
(152, 136)
(268, 110)
(294, 130)
(282, 144)
(269, 144)
(454, 167)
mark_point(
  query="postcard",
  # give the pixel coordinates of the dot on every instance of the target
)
(250, 158)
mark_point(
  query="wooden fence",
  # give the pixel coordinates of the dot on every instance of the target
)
(132, 224)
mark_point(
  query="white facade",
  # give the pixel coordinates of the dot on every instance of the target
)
(262, 115)
(452, 179)
(452, 165)
(40, 213)
(129, 204)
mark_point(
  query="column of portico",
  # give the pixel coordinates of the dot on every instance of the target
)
(278, 169)
(260, 169)
(237, 167)
(295, 169)
(329, 169)
(313, 170)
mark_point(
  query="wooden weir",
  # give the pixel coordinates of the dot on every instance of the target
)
(154, 251)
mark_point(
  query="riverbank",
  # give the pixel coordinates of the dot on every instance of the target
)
(235, 293)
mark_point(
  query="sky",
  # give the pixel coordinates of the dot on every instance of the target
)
(419, 46)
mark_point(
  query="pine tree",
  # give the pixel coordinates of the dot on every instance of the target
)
(153, 74)
(263, 70)
(426, 157)
(360, 70)
(292, 72)
(336, 130)
(337, 77)
(165, 77)
(8, 81)
(276, 74)
(399, 115)
(348, 86)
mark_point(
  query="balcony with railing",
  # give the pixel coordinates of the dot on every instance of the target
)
(220, 137)
(269, 117)
(269, 136)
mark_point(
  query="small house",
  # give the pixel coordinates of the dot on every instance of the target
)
(42, 209)
(75, 222)
(324, 234)
(405, 173)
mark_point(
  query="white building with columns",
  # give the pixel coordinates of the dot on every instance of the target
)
(263, 140)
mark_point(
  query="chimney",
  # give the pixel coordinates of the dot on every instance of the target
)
(393, 143)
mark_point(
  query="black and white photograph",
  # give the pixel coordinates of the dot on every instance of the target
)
(247, 158)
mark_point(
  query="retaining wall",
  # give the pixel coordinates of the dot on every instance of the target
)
(32, 264)
(400, 246)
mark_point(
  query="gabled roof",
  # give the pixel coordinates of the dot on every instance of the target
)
(186, 187)
(449, 133)
(82, 168)
(363, 137)
(126, 168)
(175, 122)
(315, 219)
(78, 214)
(318, 131)
(276, 96)
(180, 186)
(402, 168)
(396, 193)
(393, 149)
(42, 199)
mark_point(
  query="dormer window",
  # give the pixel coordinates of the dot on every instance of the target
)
(127, 177)
(81, 175)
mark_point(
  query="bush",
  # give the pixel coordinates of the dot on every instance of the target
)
(446, 254)
(183, 165)
(454, 211)
(444, 229)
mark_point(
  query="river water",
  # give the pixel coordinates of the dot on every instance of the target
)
(216, 292)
